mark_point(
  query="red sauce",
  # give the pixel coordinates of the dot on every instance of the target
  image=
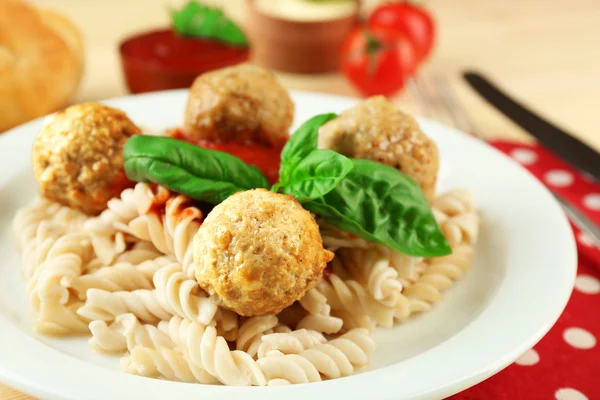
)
(120, 183)
(161, 59)
(264, 158)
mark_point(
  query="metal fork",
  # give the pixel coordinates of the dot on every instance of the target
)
(437, 98)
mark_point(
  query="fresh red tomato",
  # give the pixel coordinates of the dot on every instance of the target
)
(378, 60)
(411, 20)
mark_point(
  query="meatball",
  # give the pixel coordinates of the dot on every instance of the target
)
(258, 252)
(78, 156)
(376, 130)
(241, 103)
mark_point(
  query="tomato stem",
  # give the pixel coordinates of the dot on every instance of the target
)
(374, 47)
(373, 44)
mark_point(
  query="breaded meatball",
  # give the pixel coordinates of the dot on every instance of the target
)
(376, 130)
(78, 156)
(258, 252)
(241, 103)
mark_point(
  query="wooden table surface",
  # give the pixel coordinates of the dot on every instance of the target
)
(545, 52)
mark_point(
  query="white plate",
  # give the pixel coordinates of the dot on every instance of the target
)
(519, 284)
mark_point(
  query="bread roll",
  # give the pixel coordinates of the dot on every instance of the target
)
(41, 62)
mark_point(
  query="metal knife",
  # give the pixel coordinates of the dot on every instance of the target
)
(564, 145)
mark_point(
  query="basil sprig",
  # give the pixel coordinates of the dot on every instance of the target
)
(379, 203)
(205, 175)
(306, 172)
(371, 200)
(196, 19)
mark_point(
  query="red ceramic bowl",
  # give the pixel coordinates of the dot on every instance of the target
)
(161, 59)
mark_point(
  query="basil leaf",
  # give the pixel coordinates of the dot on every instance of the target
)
(317, 174)
(201, 174)
(198, 20)
(301, 144)
(379, 203)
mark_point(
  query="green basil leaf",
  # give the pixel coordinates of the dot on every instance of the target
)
(182, 18)
(198, 20)
(317, 174)
(201, 174)
(301, 144)
(379, 203)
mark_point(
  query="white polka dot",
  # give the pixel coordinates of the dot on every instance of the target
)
(592, 201)
(569, 394)
(579, 338)
(524, 156)
(587, 284)
(530, 357)
(585, 239)
(559, 178)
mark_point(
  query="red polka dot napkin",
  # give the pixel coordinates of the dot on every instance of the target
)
(565, 364)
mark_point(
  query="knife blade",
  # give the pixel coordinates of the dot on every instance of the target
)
(557, 140)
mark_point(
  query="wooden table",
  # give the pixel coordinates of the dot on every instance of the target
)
(545, 52)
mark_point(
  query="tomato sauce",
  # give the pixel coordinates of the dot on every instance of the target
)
(263, 157)
(162, 59)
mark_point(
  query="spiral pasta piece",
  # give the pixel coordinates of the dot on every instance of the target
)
(252, 330)
(106, 306)
(289, 343)
(455, 213)
(58, 319)
(173, 232)
(318, 318)
(107, 248)
(336, 358)
(54, 309)
(454, 202)
(37, 249)
(120, 211)
(125, 333)
(119, 277)
(205, 349)
(27, 219)
(182, 296)
(227, 324)
(314, 302)
(109, 231)
(440, 274)
(166, 363)
(371, 268)
(349, 295)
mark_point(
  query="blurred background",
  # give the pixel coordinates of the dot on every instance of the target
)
(544, 52)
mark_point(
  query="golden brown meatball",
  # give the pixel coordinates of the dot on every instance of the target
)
(376, 130)
(242, 103)
(258, 252)
(78, 156)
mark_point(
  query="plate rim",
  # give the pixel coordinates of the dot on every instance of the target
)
(366, 379)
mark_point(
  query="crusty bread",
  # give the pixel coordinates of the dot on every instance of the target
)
(41, 62)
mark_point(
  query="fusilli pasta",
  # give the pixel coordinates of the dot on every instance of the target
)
(205, 349)
(125, 333)
(182, 296)
(336, 358)
(126, 276)
(171, 233)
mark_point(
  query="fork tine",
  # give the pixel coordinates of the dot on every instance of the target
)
(417, 93)
(454, 106)
(426, 96)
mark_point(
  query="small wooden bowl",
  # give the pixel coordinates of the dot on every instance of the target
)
(297, 46)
